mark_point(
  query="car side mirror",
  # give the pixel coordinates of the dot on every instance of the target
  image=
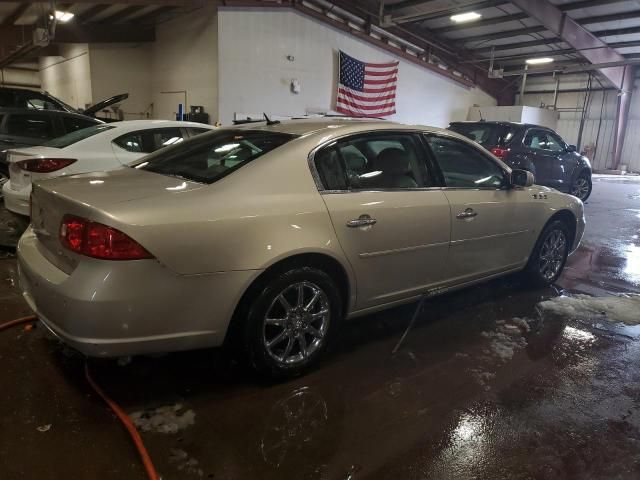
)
(522, 178)
(572, 148)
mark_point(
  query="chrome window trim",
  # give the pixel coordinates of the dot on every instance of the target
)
(316, 176)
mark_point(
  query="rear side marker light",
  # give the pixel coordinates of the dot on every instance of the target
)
(96, 240)
(45, 165)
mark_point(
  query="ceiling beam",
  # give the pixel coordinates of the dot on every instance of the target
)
(90, 13)
(97, 33)
(16, 14)
(121, 14)
(445, 12)
(501, 35)
(153, 14)
(482, 23)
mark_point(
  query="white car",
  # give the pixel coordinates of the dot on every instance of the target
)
(98, 148)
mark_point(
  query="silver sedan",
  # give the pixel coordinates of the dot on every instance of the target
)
(273, 234)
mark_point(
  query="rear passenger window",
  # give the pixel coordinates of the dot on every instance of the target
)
(373, 163)
(71, 124)
(32, 126)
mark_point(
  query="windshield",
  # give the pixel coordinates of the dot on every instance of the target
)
(75, 137)
(211, 156)
(486, 134)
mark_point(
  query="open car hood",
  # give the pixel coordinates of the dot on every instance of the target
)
(96, 107)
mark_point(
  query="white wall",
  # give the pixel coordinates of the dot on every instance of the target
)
(122, 68)
(68, 76)
(254, 73)
(184, 57)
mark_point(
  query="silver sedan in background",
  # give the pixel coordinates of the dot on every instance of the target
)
(273, 234)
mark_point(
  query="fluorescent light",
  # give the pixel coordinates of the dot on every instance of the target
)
(465, 17)
(539, 61)
(62, 17)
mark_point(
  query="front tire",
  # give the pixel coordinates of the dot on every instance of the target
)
(582, 186)
(550, 254)
(291, 321)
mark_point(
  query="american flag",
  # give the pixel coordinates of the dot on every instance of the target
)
(366, 89)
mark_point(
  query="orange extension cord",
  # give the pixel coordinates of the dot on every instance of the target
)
(124, 418)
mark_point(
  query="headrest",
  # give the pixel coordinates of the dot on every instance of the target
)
(393, 161)
(354, 161)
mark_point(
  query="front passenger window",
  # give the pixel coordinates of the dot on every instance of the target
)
(464, 166)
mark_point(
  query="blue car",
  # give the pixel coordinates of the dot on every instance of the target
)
(537, 149)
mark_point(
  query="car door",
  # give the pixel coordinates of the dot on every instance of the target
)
(391, 219)
(134, 145)
(547, 153)
(491, 223)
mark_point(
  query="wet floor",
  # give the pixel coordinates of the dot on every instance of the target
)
(490, 384)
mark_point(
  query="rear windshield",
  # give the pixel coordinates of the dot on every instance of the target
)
(75, 137)
(210, 156)
(486, 134)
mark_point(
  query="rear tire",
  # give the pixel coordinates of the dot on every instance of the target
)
(582, 186)
(549, 254)
(291, 321)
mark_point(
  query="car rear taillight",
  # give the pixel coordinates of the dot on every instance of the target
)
(500, 152)
(45, 165)
(96, 240)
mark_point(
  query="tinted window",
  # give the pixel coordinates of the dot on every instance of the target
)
(464, 166)
(544, 140)
(372, 162)
(71, 124)
(207, 158)
(486, 134)
(193, 131)
(32, 126)
(74, 137)
(147, 141)
(35, 100)
(7, 98)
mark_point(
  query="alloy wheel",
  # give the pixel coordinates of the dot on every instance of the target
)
(552, 254)
(296, 323)
(580, 188)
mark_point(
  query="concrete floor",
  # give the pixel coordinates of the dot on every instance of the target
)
(488, 385)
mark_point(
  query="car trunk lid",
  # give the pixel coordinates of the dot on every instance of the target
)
(87, 196)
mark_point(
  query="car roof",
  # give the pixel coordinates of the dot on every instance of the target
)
(46, 112)
(332, 124)
(132, 124)
(501, 122)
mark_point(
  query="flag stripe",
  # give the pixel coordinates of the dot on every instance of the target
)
(382, 65)
(385, 81)
(382, 73)
(364, 98)
(356, 113)
(360, 106)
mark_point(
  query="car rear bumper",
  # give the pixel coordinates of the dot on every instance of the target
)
(111, 309)
(16, 201)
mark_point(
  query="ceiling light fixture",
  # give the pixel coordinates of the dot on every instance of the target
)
(539, 61)
(465, 17)
(62, 17)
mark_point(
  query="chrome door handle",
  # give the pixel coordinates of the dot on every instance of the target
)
(468, 213)
(362, 221)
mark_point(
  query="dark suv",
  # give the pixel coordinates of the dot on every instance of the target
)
(537, 149)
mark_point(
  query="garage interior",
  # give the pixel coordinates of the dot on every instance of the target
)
(490, 382)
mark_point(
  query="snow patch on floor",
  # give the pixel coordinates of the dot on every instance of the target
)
(623, 308)
(504, 342)
(506, 339)
(167, 419)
